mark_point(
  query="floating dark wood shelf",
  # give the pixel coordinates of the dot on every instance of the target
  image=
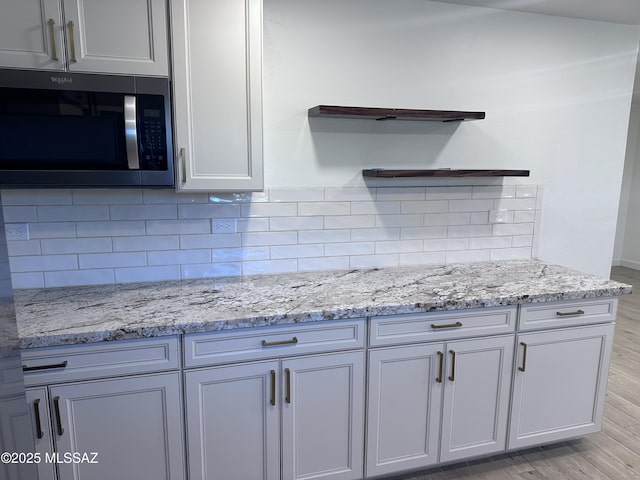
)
(335, 111)
(442, 172)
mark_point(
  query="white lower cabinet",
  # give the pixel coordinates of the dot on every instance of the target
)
(238, 416)
(438, 402)
(559, 384)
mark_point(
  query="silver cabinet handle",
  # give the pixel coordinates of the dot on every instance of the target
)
(293, 341)
(452, 377)
(183, 166)
(570, 314)
(523, 367)
(131, 132)
(52, 39)
(448, 325)
(440, 367)
(72, 42)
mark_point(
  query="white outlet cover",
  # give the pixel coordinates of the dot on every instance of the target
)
(497, 216)
(17, 231)
(224, 225)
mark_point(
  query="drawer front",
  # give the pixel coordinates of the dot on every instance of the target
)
(96, 360)
(427, 327)
(212, 348)
(567, 313)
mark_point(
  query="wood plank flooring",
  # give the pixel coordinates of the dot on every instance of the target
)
(613, 453)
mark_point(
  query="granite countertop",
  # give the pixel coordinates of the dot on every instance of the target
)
(111, 312)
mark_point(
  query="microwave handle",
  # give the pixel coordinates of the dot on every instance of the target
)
(131, 132)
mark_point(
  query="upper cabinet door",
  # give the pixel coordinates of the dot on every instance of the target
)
(31, 34)
(118, 36)
(217, 81)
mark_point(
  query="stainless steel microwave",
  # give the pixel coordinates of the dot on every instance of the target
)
(84, 130)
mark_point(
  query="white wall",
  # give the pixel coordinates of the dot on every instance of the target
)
(557, 93)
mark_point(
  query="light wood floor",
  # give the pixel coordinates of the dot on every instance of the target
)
(613, 453)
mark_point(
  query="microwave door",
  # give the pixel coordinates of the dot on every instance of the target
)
(131, 132)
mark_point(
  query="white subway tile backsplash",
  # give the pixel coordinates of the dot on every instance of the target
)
(296, 194)
(352, 248)
(112, 260)
(391, 221)
(269, 209)
(324, 208)
(470, 205)
(146, 243)
(259, 239)
(240, 254)
(215, 240)
(402, 246)
(63, 213)
(120, 228)
(349, 221)
(269, 266)
(43, 263)
(207, 270)
(143, 212)
(178, 257)
(296, 223)
(447, 218)
(401, 193)
(79, 277)
(412, 233)
(421, 258)
(324, 236)
(20, 214)
(88, 236)
(76, 245)
(323, 263)
(176, 227)
(375, 208)
(426, 206)
(147, 274)
(297, 251)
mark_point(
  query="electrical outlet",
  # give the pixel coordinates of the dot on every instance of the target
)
(497, 216)
(17, 231)
(224, 225)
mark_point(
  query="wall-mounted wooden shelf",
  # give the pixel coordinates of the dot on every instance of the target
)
(442, 172)
(335, 111)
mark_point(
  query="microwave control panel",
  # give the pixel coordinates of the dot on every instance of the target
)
(152, 134)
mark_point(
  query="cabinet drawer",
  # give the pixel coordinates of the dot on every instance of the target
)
(567, 313)
(426, 327)
(80, 362)
(269, 342)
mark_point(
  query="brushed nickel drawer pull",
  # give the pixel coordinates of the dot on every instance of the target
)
(569, 314)
(449, 325)
(293, 341)
(44, 367)
(72, 42)
(287, 374)
(52, 39)
(56, 406)
(440, 367)
(273, 387)
(524, 357)
(452, 377)
(36, 413)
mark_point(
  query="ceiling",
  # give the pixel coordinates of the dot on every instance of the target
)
(615, 11)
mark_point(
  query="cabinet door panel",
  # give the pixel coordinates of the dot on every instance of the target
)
(403, 422)
(233, 428)
(119, 36)
(323, 420)
(217, 80)
(38, 399)
(133, 423)
(25, 36)
(560, 394)
(476, 402)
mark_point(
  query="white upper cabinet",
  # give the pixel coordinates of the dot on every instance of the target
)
(217, 86)
(120, 36)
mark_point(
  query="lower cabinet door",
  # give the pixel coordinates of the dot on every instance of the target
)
(40, 429)
(476, 397)
(130, 426)
(233, 422)
(560, 382)
(323, 416)
(405, 398)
